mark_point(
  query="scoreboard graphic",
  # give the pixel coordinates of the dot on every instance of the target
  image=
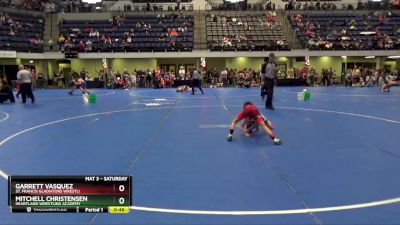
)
(70, 194)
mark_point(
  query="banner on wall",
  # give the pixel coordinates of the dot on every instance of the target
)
(8, 54)
(104, 63)
(203, 62)
(307, 61)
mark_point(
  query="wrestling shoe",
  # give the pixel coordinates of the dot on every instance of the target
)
(229, 137)
(277, 141)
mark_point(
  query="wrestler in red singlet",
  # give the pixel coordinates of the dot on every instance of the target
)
(250, 111)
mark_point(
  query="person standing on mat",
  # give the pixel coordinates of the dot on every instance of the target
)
(197, 77)
(269, 71)
(250, 112)
(24, 79)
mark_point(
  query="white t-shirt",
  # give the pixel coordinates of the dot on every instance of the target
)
(224, 74)
(133, 78)
(270, 71)
(24, 76)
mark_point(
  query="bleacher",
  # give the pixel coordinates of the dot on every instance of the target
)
(338, 31)
(21, 32)
(153, 34)
(243, 32)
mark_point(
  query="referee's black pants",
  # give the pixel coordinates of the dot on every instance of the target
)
(196, 83)
(268, 89)
(26, 90)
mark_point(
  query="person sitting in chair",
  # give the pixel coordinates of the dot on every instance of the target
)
(6, 93)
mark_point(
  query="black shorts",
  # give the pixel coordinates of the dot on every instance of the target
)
(248, 126)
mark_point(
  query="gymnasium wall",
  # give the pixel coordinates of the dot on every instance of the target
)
(219, 63)
(391, 64)
(244, 62)
(48, 67)
(131, 64)
(255, 63)
(319, 63)
(238, 63)
(90, 65)
(40, 65)
(7, 61)
(52, 68)
(94, 65)
(168, 61)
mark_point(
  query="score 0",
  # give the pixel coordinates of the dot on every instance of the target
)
(121, 201)
(121, 188)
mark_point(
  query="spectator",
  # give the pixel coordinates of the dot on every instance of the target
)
(227, 41)
(356, 75)
(60, 78)
(325, 77)
(231, 78)
(6, 93)
(89, 45)
(333, 77)
(215, 78)
(224, 76)
(34, 78)
(81, 46)
(61, 39)
(352, 24)
(173, 33)
(24, 78)
(51, 43)
(370, 80)
(149, 78)
(349, 78)
(133, 79)
(181, 73)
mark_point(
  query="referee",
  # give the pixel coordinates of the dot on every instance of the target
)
(269, 71)
(24, 78)
(196, 82)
